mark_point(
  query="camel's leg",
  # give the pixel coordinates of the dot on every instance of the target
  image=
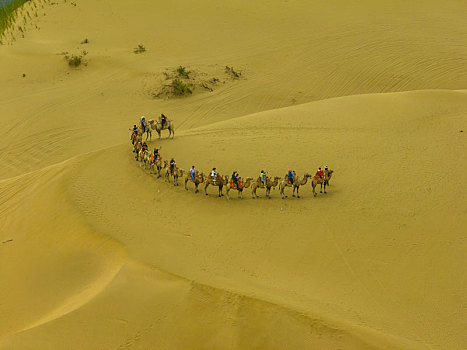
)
(293, 191)
(325, 187)
(206, 189)
(321, 188)
(186, 180)
(297, 192)
(227, 192)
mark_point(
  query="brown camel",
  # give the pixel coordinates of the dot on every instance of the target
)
(157, 165)
(144, 158)
(220, 183)
(168, 125)
(177, 172)
(135, 138)
(138, 147)
(270, 183)
(296, 184)
(198, 179)
(322, 182)
(241, 186)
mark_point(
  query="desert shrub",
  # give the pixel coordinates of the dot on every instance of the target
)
(233, 73)
(74, 60)
(180, 88)
(85, 41)
(183, 73)
(139, 49)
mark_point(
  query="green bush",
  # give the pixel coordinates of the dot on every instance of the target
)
(74, 60)
(183, 73)
(180, 88)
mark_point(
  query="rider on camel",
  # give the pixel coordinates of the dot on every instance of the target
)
(144, 148)
(192, 172)
(156, 155)
(143, 123)
(214, 175)
(172, 166)
(263, 177)
(163, 120)
(235, 179)
(320, 174)
(290, 176)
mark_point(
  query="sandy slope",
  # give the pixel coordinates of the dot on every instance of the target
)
(96, 253)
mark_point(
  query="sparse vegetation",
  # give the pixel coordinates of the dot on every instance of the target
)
(8, 14)
(76, 60)
(183, 73)
(85, 41)
(139, 49)
(233, 73)
(180, 88)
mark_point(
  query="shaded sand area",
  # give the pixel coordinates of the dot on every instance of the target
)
(95, 253)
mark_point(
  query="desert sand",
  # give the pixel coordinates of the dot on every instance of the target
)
(96, 253)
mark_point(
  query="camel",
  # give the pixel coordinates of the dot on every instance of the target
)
(296, 184)
(157, 166)
(135, 138)
(241, 186)
(270, 183)
(169, 125)
(220, 183)
(176, 173)
(146, 130)
(317, 180)
(327, 177)
(144, 158)
(137, 148)
(198, 179)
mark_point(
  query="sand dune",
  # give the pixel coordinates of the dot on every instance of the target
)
(97, 253)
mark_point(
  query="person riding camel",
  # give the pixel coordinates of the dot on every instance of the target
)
(263, 177)
(214, 175)
(144, 148)
(143, 123)
(163, 120)
(192, 172)
(235, 177)
(290, 176)
(172, 166)
(320, 174)
(156, 155)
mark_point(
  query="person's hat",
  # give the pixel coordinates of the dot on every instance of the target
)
(326, 167)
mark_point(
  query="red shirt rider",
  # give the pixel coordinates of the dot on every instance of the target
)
(320, 173)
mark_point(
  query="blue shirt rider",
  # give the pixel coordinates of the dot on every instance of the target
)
(290, 176)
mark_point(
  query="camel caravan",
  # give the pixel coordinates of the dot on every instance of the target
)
(152, 161)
